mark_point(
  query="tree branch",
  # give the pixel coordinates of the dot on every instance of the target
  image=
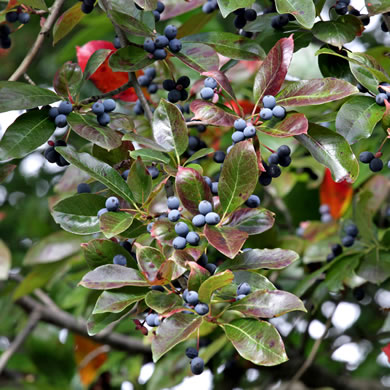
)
(55, 10)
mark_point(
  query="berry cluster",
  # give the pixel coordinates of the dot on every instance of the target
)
(384, 94)
(185, 109)
(191, 297)
(53, 156)
(279, 21)
(270, 109)
(219, 156)
(102, 109)
(208, 91)
(112, 204)
(152, 320)
(325, 213)
(243, 131)
(342, 7)
(87, 6)
(203, 261)
(5, 40)
(243, 290)
(59, 114)
(184, 236)
(351, 232)
(206, 214)
(210, 6)
(212, 184)
(158, 11)
(375, 163)
(120, 260)
(243, 16)
(195, 144)
(146, 80)
(177, 88)
(272, 170)
(17, 16)
(157, 46)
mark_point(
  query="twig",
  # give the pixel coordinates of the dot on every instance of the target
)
(55, 10)
(196, 123)
(20, 338)
(28, 79)
(92, 99)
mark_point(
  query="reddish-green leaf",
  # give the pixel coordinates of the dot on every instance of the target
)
(149, 260)
(112, 224)
(97, 58)
(162, 302)
(164, 231)
(268, 304)
(173, 8)
(213, 283)
(293, 124)
(226, 239)
(257, 341)
(316, 91)
(376, 7)
(111, 276)
(192, 189)
(213, 114)
(130, 59)
(140, 181)
(172, 331)
(238, 177)
(200, 57)
(197, 276)
(259, 259)
(273, 70)
(226, 7)
(67, 80)
(67, 22)
(252, 221)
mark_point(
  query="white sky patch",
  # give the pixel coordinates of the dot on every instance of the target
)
(127, 386)
(146, 373)
(32, 164)
(196, 382)
(316, 329)
(345, 315)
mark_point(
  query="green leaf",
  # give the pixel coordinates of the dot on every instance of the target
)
(213, 283)
(130, 59)
(199, 154)
(78, 214)
(140, 181)
(173, 331)
(331, 150)
(228, 6)
(257, 341)
(213, 114)
(111, 276)
(229, 45)
(97, 58)
(113, 224)
(376, 7)
(251, 221)
(162, 302)
(150, 155)
(316, 91)
(292, 124)
(198, 275)
(53, 248)
(7, 169)
(37, 4)
(238, 177)
(256, 281)
(226, 240)
(147, 5)
(67, 81)
(375, 266)
(338, 32)
(5, 260)
(260, 259)
(340, 271)
(169, 128)
(197, 56)
(192, 189)
(143, 141)
(268, 304)
(357, 118)
(130, 24)
(67, 22)
(99, 171)
(273, 70)
(28, 132)
(116, 301)
(303, 11)
(100, 252)
(16, 96)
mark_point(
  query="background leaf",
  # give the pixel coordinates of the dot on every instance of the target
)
(303, 10)
(251, 221)
(67, 22)
(213, 114)
(213, 283)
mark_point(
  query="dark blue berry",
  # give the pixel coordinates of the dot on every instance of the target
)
(253, 201)
(352, 230)
(150, 73)
(269, 101)
(160, 7)
(65, 108)
(153, 171)
(210, 83)
(98, 108)
(175, 45)
(250, 14)
(348, 241)
(149, 45)
(199, 220)
(174, 215)
(24, 17)
(193, 238)
(191, 352)
(207, 93)
(53, 112)
(159, 54)
(211, 268)
(249, 132)
(103, 119)
(202, 308)
(283, 151)
(112, 203)
(101, 212)
(238, 136)
(219, 157)
(197, 366)
(11, 17)
(273, 159)
(161, 41)
(265, 114)
(170, 31)
(212, 218)
(179, 243)
(279, 112)
(173, 203)
(174, 96)
(119, 260)
(192, 298)
(214, 188)
(376, 164)
(380, 99)
(181, 229)
(243, 288)
(60, 120)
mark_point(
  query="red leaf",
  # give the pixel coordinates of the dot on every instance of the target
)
(386, 350)
(104, 78)
(337, 196)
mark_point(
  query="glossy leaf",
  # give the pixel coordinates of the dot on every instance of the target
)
(198, 275)
(87, 126)
(252, 221)
(162, 302)
(238, 177)
(172, 331)
(199, 57)
(213, 283)
(293, 124)
(256, 281)
(113, 224)
(78, 214)
(268, 304)
(111, 276)
(143, 141)
(5, 260)
(357, 118)
(149, 155)
(163, 231)
(130, 59)
(173, 8)
(199, 154)
(28, 132)
(95, 61)
(228, 6)
(260, 259)
(342, 270)
(67, 22)
(303, 10)
(316, 91)
(227, 240)
(67, 80)
(140, 181)
(272, 72)
(191, 188)
(331, 150)
(376, 7)
(257, 341)
(115, 301)
(169, 128)
(130, 24)
(147, 5)
(213, 114)
(99, 171)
